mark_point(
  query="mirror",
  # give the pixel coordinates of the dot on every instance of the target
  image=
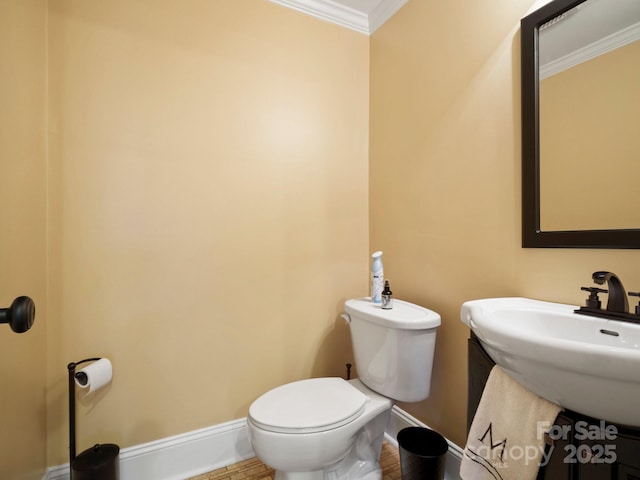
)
(581, 124)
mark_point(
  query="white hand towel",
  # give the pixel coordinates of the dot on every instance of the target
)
(506, 439)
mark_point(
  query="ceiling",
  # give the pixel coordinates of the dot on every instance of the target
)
(363, 16)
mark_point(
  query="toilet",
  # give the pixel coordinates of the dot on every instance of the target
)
(332, 429)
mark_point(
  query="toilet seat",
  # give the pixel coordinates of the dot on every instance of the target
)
(308, 406)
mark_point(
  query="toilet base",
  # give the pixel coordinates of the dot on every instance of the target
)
(348, 469)
(325, 475)
(317, 475)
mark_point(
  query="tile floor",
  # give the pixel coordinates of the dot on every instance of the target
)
(254, 469)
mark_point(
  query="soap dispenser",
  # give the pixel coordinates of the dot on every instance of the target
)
(387, 300)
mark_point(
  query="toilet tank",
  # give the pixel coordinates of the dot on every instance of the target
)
(393, 348)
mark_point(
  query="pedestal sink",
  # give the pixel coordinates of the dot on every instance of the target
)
(586, 364)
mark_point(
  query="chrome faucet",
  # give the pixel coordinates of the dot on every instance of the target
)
(617, 301)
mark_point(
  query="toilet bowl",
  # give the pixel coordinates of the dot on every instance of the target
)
(305, 429)
(330, 428)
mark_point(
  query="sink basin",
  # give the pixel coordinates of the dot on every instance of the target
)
(586, 364)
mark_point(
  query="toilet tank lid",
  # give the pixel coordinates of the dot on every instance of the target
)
(308, 406)
(403, 315)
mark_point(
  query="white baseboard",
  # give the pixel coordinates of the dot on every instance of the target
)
(186, 455)
(180, 456)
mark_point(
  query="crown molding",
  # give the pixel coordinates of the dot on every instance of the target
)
(339, 14)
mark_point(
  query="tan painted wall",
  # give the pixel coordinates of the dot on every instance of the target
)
(445, 180)
(23, 238)
(208, 196)
(208, 182)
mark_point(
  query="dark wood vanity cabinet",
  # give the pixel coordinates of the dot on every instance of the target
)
(582, 448)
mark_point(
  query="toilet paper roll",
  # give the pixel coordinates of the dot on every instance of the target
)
(94, 376)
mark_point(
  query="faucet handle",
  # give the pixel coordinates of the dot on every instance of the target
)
(635, 294)
(593, 301)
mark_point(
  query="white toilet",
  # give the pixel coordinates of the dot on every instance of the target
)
(332, 429)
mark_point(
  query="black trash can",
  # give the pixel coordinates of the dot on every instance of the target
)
(100, 462)
(423, 454)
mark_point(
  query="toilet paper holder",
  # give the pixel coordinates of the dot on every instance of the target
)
(72, 404)
(101, 461)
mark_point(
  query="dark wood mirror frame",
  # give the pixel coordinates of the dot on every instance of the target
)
(532, 235)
